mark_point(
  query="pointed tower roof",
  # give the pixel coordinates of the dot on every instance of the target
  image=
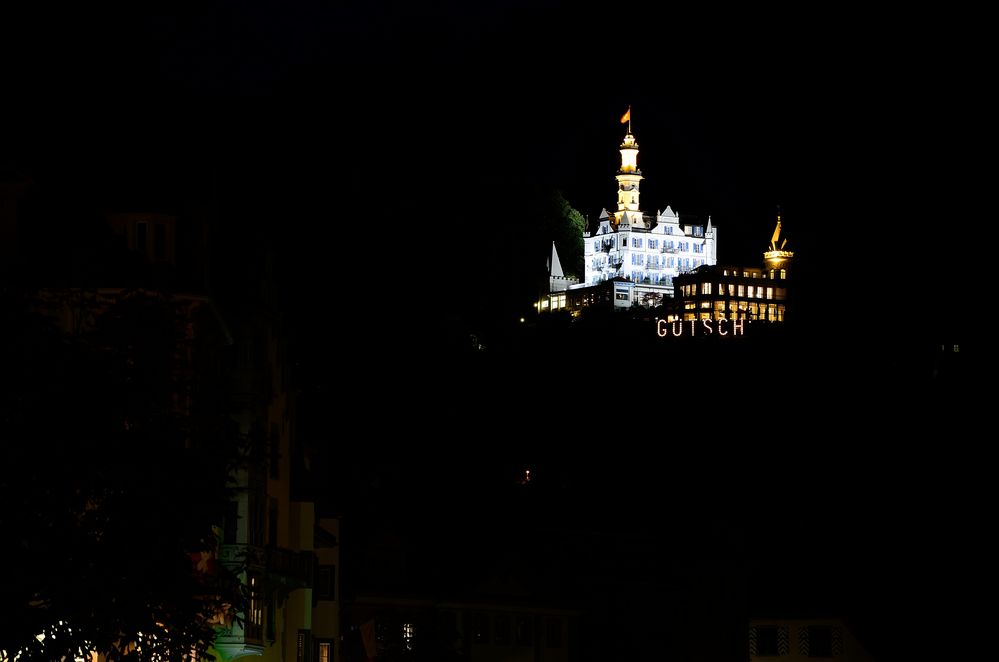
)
(556, 266)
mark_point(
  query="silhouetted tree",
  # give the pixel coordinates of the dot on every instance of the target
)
(564, 225)
(113, 475)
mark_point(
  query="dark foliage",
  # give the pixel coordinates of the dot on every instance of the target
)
(113, 474)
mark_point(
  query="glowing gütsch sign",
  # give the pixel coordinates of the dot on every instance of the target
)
(665, 328)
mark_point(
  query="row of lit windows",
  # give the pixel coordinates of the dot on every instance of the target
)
(653, 262)
(651, 244)
(774, 273)
(651, 278)
(555, 302)
(736, 290)
(639, 276)
(773, 312)
(522, 627)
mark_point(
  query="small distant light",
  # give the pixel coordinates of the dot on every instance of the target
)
(957, 348)
(522, 319)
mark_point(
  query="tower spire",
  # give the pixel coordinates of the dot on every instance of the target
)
(628, 178)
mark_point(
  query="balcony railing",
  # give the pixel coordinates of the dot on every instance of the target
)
(293, 568)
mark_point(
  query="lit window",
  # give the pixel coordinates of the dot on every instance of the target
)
(742, 290)
(770, 293)
(407, 635)
(771, 274)
(783, 273)
(254, 628)
(751, 289)
(324, 652)
(705, 288)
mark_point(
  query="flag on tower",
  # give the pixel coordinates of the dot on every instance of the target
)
(626, 117)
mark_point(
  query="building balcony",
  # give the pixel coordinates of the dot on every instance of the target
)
(235, 643)
(293, 569)
(252, 556)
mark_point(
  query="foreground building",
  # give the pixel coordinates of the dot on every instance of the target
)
(407, 628)
(801, 639)
(209, 356)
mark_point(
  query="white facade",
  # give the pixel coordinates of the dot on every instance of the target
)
(647, 250)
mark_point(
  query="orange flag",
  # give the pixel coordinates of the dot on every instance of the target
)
(626, 117)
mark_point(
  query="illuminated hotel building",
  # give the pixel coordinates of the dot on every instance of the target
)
(724, 292)
(631, 258)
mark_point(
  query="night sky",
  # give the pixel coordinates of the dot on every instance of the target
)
(300, 116)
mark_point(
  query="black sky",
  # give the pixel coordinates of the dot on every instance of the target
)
(300, 115)
(845, 119)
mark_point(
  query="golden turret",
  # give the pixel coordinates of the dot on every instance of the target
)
(776, 257)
